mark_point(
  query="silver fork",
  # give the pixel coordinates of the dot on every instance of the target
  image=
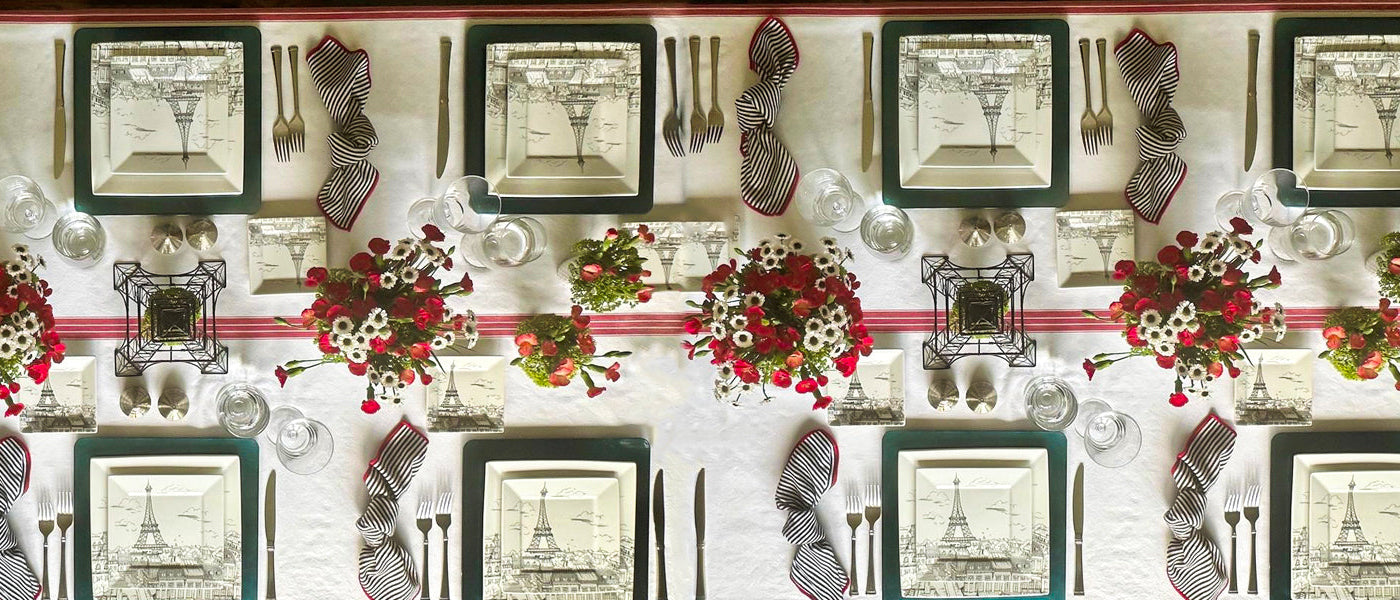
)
(46, 514)
(872, 514)
(716, 118)
(1104, 118)
(1251, 512)
(444, 521)
(854, 513)
(697, 114)
(671, 127)
(296, 127)
(1088, 124)
(425, 525)
(280, 129)
(1232, 516)
(65, 520)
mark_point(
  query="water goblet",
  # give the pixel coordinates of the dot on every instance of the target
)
(304, 446)
(1050, 403)
(242, 409)
(1319, 235)
(25, 209)
(508, 242)
(1111, 438)
(825, 198)
(79, 237)
(887, 231)
(1277, 199)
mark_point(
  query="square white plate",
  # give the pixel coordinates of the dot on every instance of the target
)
(1285, 393)
(581, 513)
(995, 569)
(684, 251)
(469, 396)
(72, 408)
(281, 249)
(874, 396)
(1348, 133)
(995, 503)
(1317, 513)
(1088, 243)
(188, 508)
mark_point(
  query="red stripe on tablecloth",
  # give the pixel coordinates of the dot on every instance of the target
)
(643, 11)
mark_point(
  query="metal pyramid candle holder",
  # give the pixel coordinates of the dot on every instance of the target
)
(978, 311)
(174, 318)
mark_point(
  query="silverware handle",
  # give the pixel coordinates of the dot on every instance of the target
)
(277, 75)
(271, 576)
(445, 67)
(1253, 557)
(695, 70)
(59, 49)
(1253, 59)
(714, 70)
(44, 585)
(1084, 61)
(868, 41)
(444, 594)
(1234, 572)
(1103, 71)
(1079, 567)
(671, 64)
(870, 563)
(296, 90)
(62, 567)
(660, 570)
(855, 582)
(700, 572)
(423, 581)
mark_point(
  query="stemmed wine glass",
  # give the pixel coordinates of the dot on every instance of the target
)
(467, 206)
(825, 198)
(1111, 438)
(303, 445)
(1277, 199)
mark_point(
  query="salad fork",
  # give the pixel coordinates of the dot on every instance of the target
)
(1104, 120)
(671, 127)
(281, 132)
(716, 118)
(697, 114)
(1251, 512)
(854, 514)
(1088, 124)
(425, 525)
(1232, 517)
(296, 127)
(444, 521)
(65, 520)
(46, 515)
(872, 514)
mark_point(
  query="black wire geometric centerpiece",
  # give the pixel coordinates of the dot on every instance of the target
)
(978, 311)
(174, 318)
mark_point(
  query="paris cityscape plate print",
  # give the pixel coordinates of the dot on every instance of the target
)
(1088, 243)
(1343, 109)
(467, 395)
(684, 252)
(1281, 393)
(66, 401)
(873, 395)
(281, 249)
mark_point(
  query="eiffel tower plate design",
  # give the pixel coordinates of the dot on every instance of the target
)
(1356, 93)
(281, 249)
(469, 396)
(1088, 243)
(873, 395)
(1280, 393)
(66, 402)
(684, 251)
(1344, 539)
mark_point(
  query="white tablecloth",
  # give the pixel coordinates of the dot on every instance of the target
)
(662, 396)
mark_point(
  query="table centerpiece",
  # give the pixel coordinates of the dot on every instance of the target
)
(554, 349)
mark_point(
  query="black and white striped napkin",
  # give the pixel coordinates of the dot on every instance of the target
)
(1151, 72)
(767, 174)
(810, 472)
(17, 580)
(1195, 565)
(386, 567)
(342, 78)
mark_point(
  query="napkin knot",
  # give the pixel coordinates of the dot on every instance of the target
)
(1151, 73)
(342, 79)
(1195, 566)
(386, 568)
(17, 580)
(767, 172)
(809, 473)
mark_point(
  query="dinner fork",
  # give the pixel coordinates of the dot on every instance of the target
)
(1088, 124)
(1251, 512)
(1232, 516)
(280, 130)
(854, 510)
(716, 118)
(697, 114)
(671, 127)
(65, 520)
(1105, 118)
(872, 514)
(444, 521)
(296, 126)
(425, 525)
(46, 514)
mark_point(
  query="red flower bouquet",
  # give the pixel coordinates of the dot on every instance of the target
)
(1193, 308)
(554, 349)
(605, 274)
(1362, 342)
(386, 316)
(784, 317)
(29, 342)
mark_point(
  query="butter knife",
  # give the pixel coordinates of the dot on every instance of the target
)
(700, 535)
(270, 528)
(658, 520)
(445, 64)
(1079, 530)
(60, 118)
(1251, 110)
(867, 110)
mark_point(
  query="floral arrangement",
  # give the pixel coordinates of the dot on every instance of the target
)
(785, 315)
(1387, 265)
(1363, 341)
(386, 316)
(29, 342)
(554, 349)
(1193, 308)
(605, 274)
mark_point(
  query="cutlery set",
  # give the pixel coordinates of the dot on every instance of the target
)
(435, 508)
(287, 136)
(705, 128)
(1096, 129)
(1244, 502)
(60, 116)
(863, 503)
(62, 515)
(658, 516)
(1251, 110)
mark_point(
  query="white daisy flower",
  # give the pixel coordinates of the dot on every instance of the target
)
(738, 322)
(831, 271)
(723, 390)
(766, 244)
(718, 330)
(726, 371)
(7, 349)
(438, 343)
(1165, 348)
(814, 325)
(831, 333)
(821, 284)
(357, 355)
(13, 269)
(770, 262)
(402, 250)
(1195, 273)
(1150, 319)
(782, 238)
(345, 343)
(839, 318)
(796, 246)
(1241, 246)
(1186, 309)
(407, 274)
(1177, 322)
(1181, 370)
(812, 341)
(753, 299)
(377, 317)
(780, 252)
(343, 326)
(20, 249)
(1196, 372)
(742, 339)
(1154, 336)
(388, 279)
(1247, 335)
(1218, 267)
(823, 261)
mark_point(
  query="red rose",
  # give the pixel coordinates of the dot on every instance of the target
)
(369, 406)
(1186, 239)
(357, 369)
(324, 343)
(1132, 336)
(549, 348)
(1089, 368)
(1392, 337)
(14, 409)
(1169, 255)
(746, 372)
(1166, 362)
(846, 365)
(806, 386)
(432, 233)
(1124, 269)
(378, 345)
(1241, 226)
(644, 294)
(692, 325)
(1394, 266)
(424, 283)
(821, 403)
(794, 360)
(590, 272)
(1186, 338)
(1230, 312)
(594, 391)
(782, 378)
(1228, 344)
(316, 275)
(281, 374)
(379, 246)
(1357, 341)
(562, 373)
(38, 372)
(580, 321)
(586, 345)
(1215, 369)
(362, 262)
(1178, 399)
(1234, 372)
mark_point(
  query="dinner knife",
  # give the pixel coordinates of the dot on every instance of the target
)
(445, 64)
(658, 519)
(867, 110)
(60, 119)
(270, 528)
(1079, 530)
(1251, 110)
(700, 535)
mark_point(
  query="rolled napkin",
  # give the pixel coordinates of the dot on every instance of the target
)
(767, 173)
(386, 567)
(1195, 566)
(17, 580)
(810, 472)
(1150, 70)
(342, 79)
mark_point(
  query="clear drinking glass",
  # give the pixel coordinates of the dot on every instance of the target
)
(303, 445)
(1319, 235)
(1111, 438)
(1050, 403)
(1276, 199)
(242, 409)
(825, 198)
(508, 242)
(466, 206)
(24, 209)
(79, 237)
(887, 231)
